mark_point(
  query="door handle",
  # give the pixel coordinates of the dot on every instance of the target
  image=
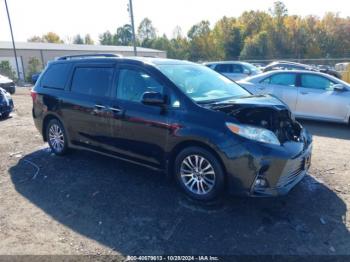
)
(304, 93)
(98, 108)
(115, 109)
(261, 88)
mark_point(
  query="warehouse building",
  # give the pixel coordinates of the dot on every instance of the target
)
(45, 52)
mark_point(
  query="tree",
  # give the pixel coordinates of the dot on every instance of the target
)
(256, 47)
(34, 66)
(123, 35)
(146, 32)
(106, 38)
(78, 40)
(35, 39)
(88, 40)
(228, 38)
(52, 37)
(7, 70)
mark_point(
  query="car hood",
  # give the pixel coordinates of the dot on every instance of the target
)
(4, 80)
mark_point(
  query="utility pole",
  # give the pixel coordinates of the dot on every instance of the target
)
(13, 41)
(132, 26)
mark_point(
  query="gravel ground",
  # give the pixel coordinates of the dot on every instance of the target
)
(90, 204)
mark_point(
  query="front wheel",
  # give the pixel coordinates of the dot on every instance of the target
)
(199, 173)
(56, 137)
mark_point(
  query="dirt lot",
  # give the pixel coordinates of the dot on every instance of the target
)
(91, 204)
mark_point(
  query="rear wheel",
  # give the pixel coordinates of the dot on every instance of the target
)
(56, 137)
(199, 173)
(5, 115)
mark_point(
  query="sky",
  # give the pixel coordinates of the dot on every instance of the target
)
(70, 17)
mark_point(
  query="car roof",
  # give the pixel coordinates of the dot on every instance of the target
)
(225, 62)
(138, 60)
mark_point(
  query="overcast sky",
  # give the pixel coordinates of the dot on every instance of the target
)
(70, 17)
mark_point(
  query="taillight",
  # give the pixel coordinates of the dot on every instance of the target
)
(33, 94)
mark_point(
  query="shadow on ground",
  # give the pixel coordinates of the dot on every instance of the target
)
(138, 211)
(334, 130)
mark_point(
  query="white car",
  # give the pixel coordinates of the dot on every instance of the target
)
(309, 95)
(235, 70)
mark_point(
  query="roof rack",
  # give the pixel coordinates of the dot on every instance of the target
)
(82, 56)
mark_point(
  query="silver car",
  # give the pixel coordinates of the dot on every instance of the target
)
(235, 70)
(309, 95)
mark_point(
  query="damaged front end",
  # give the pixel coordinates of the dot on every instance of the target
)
(282, 158)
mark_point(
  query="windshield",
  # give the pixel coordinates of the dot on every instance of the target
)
(202, 83)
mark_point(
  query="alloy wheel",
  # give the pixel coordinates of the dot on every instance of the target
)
(56, 138)
(197, 174)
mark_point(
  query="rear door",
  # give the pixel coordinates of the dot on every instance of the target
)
(318, 100)
(86, 108)
(143, 128)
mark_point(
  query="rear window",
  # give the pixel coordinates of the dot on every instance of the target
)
(56, 76)
(94, 81)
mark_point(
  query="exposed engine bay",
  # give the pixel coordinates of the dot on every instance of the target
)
(276, 118)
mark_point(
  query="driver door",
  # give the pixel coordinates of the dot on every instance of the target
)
(143, 128)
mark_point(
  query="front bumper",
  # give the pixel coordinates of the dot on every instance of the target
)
(6, 107)
(280, 167)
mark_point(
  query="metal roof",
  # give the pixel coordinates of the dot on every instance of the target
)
(72, 47)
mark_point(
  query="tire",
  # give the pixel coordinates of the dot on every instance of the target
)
(56, 137)
(202, 181)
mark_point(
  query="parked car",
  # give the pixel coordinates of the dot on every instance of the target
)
(6, 103)
(233, 69)
(285, 65)
(310, 95)
(175, 116)
(7, 84)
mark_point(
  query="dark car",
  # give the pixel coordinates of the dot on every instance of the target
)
(6, 103)
(285, 65)
(174, 116)
(7, 84)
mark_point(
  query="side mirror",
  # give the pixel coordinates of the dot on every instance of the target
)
(153, 98)
(339, 88)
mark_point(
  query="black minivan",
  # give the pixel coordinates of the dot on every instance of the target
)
(175, 116)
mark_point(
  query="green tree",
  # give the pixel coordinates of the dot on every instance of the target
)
(88, 40)
(34, 66)
(146, 32)
(123, 35)
(78, 40)
(256, 47)
(106, 38)
(7, 70)
(35, 39)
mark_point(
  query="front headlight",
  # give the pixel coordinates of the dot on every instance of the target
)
(254, 133)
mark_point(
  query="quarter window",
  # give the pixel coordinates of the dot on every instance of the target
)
(56, 76)
(133, 83)
(93, 81)
(316, 82)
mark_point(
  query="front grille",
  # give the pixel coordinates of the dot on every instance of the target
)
(291, 172)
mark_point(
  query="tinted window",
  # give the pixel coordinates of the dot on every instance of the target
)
(237, 69)
(316, 82)
(92, 80)
(223, 68)
(133, 83)
(282, 79)
(56, 76)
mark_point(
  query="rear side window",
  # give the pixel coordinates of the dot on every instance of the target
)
(94, 81)
(56, 76)
(223, 68)
(281, 79)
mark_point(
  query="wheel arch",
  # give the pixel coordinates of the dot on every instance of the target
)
(191, 143)
(46, 121)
